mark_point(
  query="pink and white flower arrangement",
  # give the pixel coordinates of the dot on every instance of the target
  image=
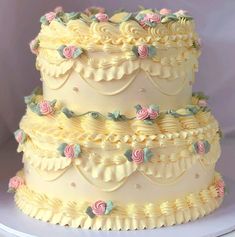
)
(147, 113)
(50, 16)
(20, 136)
(94, 10)
(102, 17)
(165, 11)
(143, 51)
(202, 103)
(69, 52)
(34, 45)
(14, 183)
(45, 107)
(201, 147)
(139, 156)
(99, 208)
(69, 151)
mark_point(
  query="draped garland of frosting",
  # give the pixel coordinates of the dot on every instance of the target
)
(123, 216)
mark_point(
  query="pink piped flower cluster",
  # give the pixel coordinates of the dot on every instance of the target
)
(45, 107)
(220, 186)
(14, 183)
(102, 17)
(69, 151)
(69, 51)
(149, 19)
(165, 11)
(147, 113)
(137, 156)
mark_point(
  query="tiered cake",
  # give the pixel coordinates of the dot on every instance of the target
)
(116, 139)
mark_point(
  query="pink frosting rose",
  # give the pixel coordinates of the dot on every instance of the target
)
(153, 114)
(142, 114)
(138, 156)
(102, 17)
(19, 136)
(202, 103)
(201, 148)
(45, 107)
(165, 11)
(50, 16)
(220, 187)
(143, 51)
(68, 51)
(69, 151)
(34, 46)
(152, 17)
(15, 182)
(98, 208)
(58, 9)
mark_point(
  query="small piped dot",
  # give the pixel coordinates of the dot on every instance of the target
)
(137, 186)
(76, 89)
(142, 90)
(73, 184)
(197, 176)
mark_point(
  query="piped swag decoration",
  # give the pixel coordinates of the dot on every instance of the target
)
(201, 147)
(99, 208)
(70, 151)
(139, 156)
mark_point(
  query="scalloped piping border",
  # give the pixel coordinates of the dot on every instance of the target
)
(128, 217)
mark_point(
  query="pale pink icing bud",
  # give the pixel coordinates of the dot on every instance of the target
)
(201, 147)
(50, 16)
(45, 107)
(220, 187)
(138, 156)
(33, 46)
(102, 17)
(15, 182)
(69, 151)
(98, 208)
(68, 51)
(152, 17)
(181, 13)
(58, 9)
(142, 114)
(165, 11)
(202, 103)
(152, 113)
(143, 51)
(19, 136)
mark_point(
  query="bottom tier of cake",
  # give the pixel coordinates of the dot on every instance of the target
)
(123, 216)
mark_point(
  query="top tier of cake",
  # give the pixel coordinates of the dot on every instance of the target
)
(92, 62)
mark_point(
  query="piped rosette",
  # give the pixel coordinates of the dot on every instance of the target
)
(99, 208)
(139, 156)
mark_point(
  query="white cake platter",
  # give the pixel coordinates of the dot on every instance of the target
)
(14, 222)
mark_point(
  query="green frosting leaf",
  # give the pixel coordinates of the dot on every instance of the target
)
(135, 50)
(77, 150)
(68, 113)
(207, 146)
(128, 155)
(44, 21)
(154, 107)
(138, 107)
(200, 95)
(94, 115)
(61, 148)
(152, 51)
(77, 52)
(148, 154)
(109, 207)
(90, 213)
(148, 122)
(52, 103)
(60, 50)
(116, 116)
(35, 108)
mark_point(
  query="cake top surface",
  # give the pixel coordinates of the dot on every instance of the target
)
(95, 30)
